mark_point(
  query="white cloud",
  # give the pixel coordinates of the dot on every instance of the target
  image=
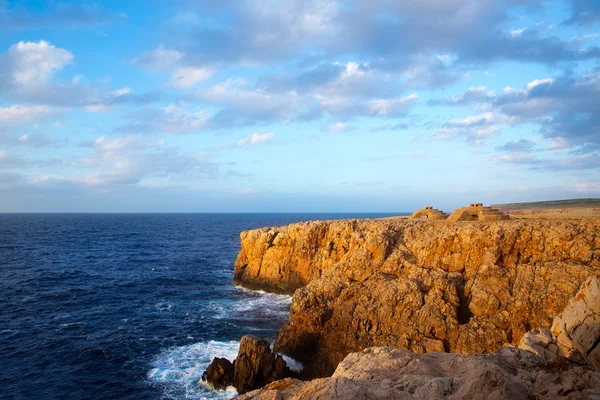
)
(392, 107)
(255, 138)
(538, 82)
(121, 92)
(186, 77)
(18, 115)
(337, 127)
(517, 32)
(34, 63)
(175, 118)
(172, 61)
(133, 160)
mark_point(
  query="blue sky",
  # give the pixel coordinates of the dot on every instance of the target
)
(312, 105)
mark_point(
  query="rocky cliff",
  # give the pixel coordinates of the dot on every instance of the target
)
(419, 285)
(557, 364)
(386, 373)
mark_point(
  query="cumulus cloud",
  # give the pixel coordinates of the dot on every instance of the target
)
(30, 64)
(28, 74)
(565, 110)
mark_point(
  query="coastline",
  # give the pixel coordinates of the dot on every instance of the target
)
(468, 287)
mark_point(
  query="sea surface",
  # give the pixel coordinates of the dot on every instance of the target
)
(126, 306)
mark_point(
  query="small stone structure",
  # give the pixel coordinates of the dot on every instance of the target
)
(429, 212)
(477, 212)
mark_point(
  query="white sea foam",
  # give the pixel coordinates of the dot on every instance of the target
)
(250, 304)
(294, 365)
(268, 304)
(163, 306)
(178, 370)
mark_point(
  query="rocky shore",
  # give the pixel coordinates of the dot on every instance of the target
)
(409, 287)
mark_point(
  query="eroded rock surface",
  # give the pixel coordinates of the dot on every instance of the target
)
(389, 373)
(219, 374)
(577, 328)
(419, 285)
(254, 367)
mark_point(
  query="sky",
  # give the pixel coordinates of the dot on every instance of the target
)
(297, 105)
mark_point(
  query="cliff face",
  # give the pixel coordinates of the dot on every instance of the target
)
(419, 285)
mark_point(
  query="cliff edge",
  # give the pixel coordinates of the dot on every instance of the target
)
(424, 286)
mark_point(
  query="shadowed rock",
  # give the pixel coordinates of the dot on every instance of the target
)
(219, 374)
(254, 367)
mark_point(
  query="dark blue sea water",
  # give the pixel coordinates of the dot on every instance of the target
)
(102, 306)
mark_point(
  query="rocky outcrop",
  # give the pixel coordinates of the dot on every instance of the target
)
(389, 373)
(425, 286)
(254, 367)
(219, 374)
(577, 328)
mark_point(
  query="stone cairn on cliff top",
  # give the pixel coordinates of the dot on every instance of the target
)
(477, 212)
(429, 212)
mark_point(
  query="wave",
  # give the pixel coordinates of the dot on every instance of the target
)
(247, 304)
(178, 371)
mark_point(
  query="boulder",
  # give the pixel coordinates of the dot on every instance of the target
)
(577, 328)
(541, 343)
(255, 366)
(219, 374)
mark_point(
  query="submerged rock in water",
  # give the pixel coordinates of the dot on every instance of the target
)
(255, 366)
(219, 374)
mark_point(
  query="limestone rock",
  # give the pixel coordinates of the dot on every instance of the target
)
(420, 285)
(541, 343)
(219, 374)
(388, 373)
(577, 328)
(256, 366)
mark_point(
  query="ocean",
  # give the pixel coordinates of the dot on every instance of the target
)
(126, 306)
